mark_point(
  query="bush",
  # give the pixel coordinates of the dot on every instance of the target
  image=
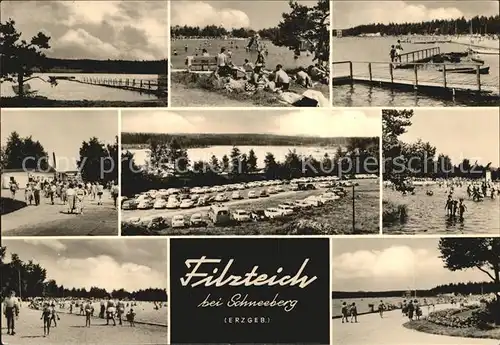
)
(470, 316)
(394, 213)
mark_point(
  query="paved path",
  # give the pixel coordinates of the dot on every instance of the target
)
(372, 330)
(71, 330)
(49, 220)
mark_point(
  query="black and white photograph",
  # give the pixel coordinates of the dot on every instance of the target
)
(99, 292)
(441, 171)
(84, 53)
(59, 172)
(415, 53)
(239, 54)
(309, 172)
(419, 291)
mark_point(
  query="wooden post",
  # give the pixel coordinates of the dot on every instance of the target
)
(350, 69)
(149, 84)
(416, 74)
(140, 84)
(133, 82)
(413, 56)
(478, 77)
(370, 70)
(444, 75)
(391, 71)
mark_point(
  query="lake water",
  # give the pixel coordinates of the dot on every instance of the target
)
(277, 55)
(70, 90)
(427, 214)
(361, 50)
(196, 154)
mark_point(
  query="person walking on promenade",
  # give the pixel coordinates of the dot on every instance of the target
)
(11, 311)
(354, 312)
(345, 313)
(381, 308)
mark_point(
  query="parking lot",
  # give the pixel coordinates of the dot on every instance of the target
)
(279, 193)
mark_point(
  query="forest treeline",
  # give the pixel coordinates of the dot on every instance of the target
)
(103, 66)
(452, 288)
(29, 279)
(214, 31)
(244, 139)
(460, 26)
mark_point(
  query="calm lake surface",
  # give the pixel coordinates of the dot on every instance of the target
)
(427, 214)
(196, 154)
(361, 50)
(70, 90)
(277, 55)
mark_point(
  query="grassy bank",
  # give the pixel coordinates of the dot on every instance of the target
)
(469, 332)
(184, 80)
(39, 102)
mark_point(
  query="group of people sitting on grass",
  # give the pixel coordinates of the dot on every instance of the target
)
(258, 77)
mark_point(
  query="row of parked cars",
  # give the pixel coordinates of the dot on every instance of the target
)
(185, 198)
(219, 214)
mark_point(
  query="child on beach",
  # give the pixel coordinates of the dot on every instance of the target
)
(54, 314)
(345, 313)
(354, 313)
(89, 310)
(131, 317)
(46, 317)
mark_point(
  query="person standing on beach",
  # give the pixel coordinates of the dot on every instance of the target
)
(13, 187)
(345, 313)
(392, 54)
(381, 308)
(120, 310)
(411, 310)
(53, 314)
(100, 192)
(46, 317)
(354, 312)
(223, 69)
(89, 310)
(102, 311)
(110, 312)
(11, 311)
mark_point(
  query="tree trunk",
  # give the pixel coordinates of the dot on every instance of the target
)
(497, 302)
(20, 83)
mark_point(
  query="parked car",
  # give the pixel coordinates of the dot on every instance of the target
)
(273, 212)
(263, 193)
(329, 197)
(258, 215)
(252, 195)
(219, 214)
(145, 204)
(292, 205)
(160, 203)
(173, 203)
(186, 203)
(240, 216)
(197, 220)
(195, 197)
(303, 204)
(236, 196)
(294, 186)
(285, 210)
(314, 201)
(178, 221)
(306, 186)
(202, 201)
(272, 190)
(130, 204)
(221, 197)
(157, 223)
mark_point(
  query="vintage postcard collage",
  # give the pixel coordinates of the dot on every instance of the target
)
(259, 172)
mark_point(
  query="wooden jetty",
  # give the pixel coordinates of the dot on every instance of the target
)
(156, 87)
(441, 84)
(418, 56)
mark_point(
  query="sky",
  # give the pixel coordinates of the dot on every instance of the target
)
(308, 122)
(129, 30)
(347, 14)
(231, 14)
(62, 132)
(131, 264)
(472, 133)
(383, 264)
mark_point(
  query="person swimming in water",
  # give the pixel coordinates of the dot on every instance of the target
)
(449, 205)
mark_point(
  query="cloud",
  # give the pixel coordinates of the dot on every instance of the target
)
(95, 29)
(201, 14)
(329, 124)
(395, 267)
(161, 122)
(350, 14)
(103, 271)
(55, 245)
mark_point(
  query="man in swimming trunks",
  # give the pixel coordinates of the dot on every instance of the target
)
(281, 79)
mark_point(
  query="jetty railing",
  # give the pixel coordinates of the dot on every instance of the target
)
(418, 55)
(144, 84)
(422, 75)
